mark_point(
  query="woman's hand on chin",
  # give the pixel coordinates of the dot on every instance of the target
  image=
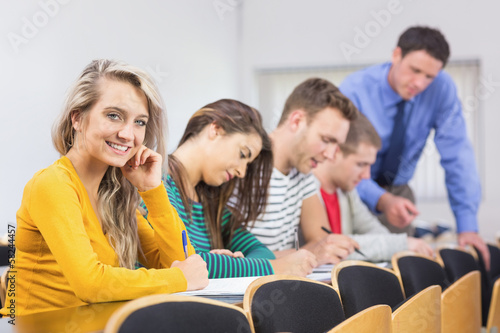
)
(143, 170)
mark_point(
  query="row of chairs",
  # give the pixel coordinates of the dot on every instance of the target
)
(461, 275)
(371, 298)
(271, 304)
(452, 264)
(363, 298)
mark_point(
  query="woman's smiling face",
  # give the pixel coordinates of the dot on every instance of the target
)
(113, 130)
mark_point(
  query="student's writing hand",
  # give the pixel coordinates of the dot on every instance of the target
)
(195, 271)
(398, 210)
(144, 169)
(298, 263)
(333, 248)
(420, 246)
(237, 254)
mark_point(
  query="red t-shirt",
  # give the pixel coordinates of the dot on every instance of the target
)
(333, 210)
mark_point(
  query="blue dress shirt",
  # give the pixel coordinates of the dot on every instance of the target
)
(438, 108)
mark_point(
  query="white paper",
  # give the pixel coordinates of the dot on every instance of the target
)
(219, 287)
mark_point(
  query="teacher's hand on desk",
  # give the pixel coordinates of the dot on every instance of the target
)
(473, 239)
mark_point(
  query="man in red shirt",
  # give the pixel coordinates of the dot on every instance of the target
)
(347, 214)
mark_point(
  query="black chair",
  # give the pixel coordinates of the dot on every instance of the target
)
(457, 262)
(292, 304)
(170, 313)
(362, 285)
(494, 272)
(5, 254)
(418, 272)
(488, 278)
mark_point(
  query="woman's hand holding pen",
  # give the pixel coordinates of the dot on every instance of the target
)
(298, 263)
(144, 169)
(195, 271)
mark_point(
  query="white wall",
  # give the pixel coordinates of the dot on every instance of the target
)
(286, 33)
(188, 45)
(203, 50)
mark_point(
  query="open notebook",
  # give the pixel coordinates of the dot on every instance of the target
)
(238, 286)
(223, 287)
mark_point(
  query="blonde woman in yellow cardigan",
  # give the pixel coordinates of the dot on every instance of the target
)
(79, 233)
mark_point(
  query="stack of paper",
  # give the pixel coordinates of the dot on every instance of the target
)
(229, 290)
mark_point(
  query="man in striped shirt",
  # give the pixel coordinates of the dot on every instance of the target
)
(314, 121)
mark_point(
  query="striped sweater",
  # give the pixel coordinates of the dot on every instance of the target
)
(275, 228)
(256, 261)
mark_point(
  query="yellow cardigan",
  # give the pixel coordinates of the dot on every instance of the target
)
(63, 259)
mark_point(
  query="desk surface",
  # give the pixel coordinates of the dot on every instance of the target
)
(82, 319)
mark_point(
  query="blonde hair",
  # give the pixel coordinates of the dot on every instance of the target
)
(117, 198)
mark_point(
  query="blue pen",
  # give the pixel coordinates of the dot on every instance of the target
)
(185, 243)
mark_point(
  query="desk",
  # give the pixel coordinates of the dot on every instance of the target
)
(82, 319)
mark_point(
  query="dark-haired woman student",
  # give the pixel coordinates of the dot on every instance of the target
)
(218, 182)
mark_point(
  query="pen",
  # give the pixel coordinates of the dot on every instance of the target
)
(185, 243)
(355, 249)
(296, 239)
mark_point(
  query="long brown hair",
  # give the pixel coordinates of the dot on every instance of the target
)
(249, 194)
(117, 198)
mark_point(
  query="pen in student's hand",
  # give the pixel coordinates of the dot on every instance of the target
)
(185, 243)
(355, 249)
(296, 239)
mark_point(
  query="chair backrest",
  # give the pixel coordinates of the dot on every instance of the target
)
(282, 303)
(488, 277)
(418, 272)
(4, 255)
(421, 313)
(494, 313)
(169, 313)
(457, 262)
(461, 305)
(375, 319)
(362, 285)
(4, 282)
(495, 262)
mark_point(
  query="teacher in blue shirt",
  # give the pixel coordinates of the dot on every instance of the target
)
(405, 99)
